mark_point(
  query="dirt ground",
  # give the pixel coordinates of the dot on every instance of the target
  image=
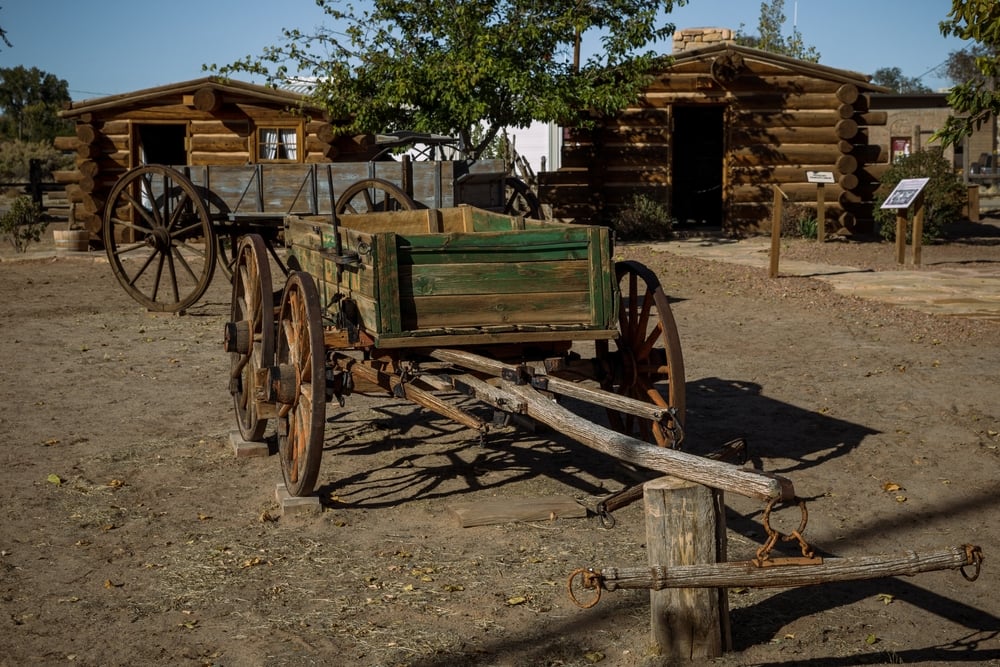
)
(132, 535)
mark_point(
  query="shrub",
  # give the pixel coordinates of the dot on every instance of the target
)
(798, 221)
(15, 158)
(944, 195)
(643, 218)
(23, 223)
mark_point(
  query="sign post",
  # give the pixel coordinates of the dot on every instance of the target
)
(820, 178)
(907, 193)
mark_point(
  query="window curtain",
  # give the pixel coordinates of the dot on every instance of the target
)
(268, 144)
(289, 139)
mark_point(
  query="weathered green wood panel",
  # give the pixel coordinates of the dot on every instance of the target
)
(432, 312)
(550, 276)
(494, 278)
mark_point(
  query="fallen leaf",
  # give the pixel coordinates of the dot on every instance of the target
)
(54, 479)
(871, 639)
(51, 441)
(203, 517)
(593, 657)
(115, 484)
(886, 598)
(516, 600)
(900, 498)
(451, 588)
(110, 584)
(891, 487)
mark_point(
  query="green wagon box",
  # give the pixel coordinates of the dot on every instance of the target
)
(459, 275)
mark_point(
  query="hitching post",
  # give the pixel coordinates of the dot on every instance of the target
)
(776, 211)
(686, 525)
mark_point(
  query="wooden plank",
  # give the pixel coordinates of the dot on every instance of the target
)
(483, 310)
(489, 338)
(386, 265)
(493, 278)
(506, 510)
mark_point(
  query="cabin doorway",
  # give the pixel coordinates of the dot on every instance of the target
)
(161, 143)
(697, 166)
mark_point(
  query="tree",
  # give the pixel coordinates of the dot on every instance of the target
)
(31, 100)
(976, 98)
(892, 77)
(446, 66)
(769, 37)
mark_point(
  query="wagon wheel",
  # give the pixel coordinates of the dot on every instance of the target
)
(374, 195)
(250, 332)
(521, 200)
(301, 392)
(159, 238)
(647, 364)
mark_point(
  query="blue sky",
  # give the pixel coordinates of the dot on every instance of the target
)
(108, 47)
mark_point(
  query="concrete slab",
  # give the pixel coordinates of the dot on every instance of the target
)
(295, 506)
(245, 448)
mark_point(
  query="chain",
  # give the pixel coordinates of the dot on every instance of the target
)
(763, 558)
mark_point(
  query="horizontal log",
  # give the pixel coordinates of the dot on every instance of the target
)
(66, 176)
(220, 143)
(826, 134)
(766, 154)
(846, 128)
(208, 99)
(873, 118)
(66, 143)
(201, 158)
(85, 133)
(237, 126)
(796, 192)
(848, 93)
(827, 570)
(782, 117)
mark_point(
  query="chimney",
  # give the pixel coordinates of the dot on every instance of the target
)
(696, 38)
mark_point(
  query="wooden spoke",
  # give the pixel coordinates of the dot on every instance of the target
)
(301, 358)
(521, 200)
(155, 219)
(371, 195)
(646, 362)
(250, 333)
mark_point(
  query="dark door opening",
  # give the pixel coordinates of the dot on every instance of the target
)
(162, 144)
(697, 166)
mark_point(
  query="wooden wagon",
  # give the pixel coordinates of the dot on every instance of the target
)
(425, 303)
(166, 228)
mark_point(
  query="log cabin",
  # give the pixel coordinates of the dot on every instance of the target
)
(716, 130)
(206, 121)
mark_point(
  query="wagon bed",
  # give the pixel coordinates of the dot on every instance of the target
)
(459, 276)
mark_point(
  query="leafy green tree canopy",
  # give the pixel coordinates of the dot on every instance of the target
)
(976, 97)
(892, 77)
(769, 37)
(446, 66)
(31, 100)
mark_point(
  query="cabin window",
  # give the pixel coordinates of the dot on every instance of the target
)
(277, 144)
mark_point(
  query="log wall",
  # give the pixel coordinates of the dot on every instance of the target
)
(779, 122)
(219, 130)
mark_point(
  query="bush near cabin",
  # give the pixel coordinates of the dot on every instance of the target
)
(944, 195)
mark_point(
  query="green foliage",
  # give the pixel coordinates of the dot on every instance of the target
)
(31, 100)
(643, 218)
(15, 157)
(769, 37)
(892, 77)
(445, 66)
(798, 221)
(944, 195)
(976, 100)
(22, 223)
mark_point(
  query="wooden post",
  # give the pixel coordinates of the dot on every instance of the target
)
(685, 524)
(973, 190)
(776, 211)
(918, 229)
(901, 236)
(820, 213)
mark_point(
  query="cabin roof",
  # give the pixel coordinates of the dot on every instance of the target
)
(170, 93)
(862, 81)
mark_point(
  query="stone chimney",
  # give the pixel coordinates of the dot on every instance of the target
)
(696, 38)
